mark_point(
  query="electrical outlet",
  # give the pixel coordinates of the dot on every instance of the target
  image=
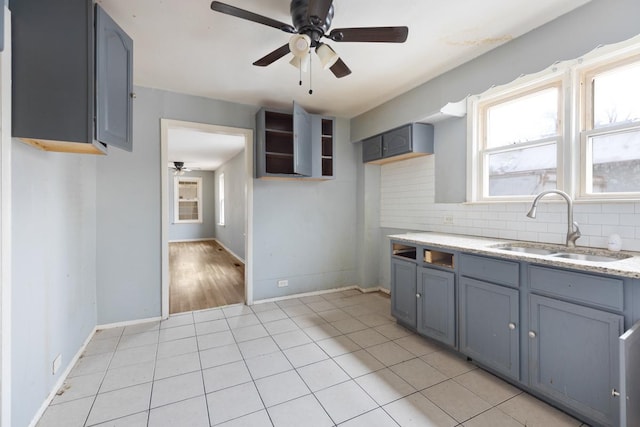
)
(447, 219)
(56, 364)
(283, 283)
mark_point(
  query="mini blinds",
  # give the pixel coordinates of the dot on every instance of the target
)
(188, 200)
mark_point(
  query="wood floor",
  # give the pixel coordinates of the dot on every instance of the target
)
(203, 275)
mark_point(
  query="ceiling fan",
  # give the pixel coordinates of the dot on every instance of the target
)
(311, 22)
(179, 169)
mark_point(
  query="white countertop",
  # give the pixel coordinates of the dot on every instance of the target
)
(629, 267)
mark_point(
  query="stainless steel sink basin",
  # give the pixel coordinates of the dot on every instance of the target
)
(590, 257)
(526, 250)
(557, 251)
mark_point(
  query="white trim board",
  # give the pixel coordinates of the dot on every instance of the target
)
(204, 239)
(5, 223)
(62, 379)
(229, 250)
(323, 292)
(165, 125)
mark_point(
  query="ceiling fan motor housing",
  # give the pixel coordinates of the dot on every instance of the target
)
(309, 25)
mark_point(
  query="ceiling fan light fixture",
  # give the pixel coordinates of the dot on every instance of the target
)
(300, 62)
(327, 56)
(299, 45)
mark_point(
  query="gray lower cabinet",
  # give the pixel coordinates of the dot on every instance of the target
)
(403, 292)
(489, 325)
(630, 377)
(436, 317)
(573, 356)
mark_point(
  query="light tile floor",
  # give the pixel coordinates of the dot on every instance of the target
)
(335, 359)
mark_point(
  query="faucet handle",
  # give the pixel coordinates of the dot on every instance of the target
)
(577, 229)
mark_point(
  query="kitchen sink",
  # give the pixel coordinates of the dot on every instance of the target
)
(590, 257)
(526, 250)
(557, 251)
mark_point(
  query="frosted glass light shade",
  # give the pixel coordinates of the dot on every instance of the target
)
(299, 44)
(327, 56)
(301, 62)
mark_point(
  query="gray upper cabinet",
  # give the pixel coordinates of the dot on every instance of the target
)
(293, 145)
(114, 84)
(56, 80)
(403, 292)
(436, 310)
(489, 325)
(412, 140)
(372, 149)
(301, 141)
(573, 356)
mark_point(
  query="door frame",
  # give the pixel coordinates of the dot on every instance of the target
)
(165, 125)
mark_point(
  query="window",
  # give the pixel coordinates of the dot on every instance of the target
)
(188, 200)
(519, 148)
(610, 140)
(521, 143)
(221, 199)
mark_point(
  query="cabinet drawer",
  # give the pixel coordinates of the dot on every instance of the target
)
(490, 270)
(605, 292)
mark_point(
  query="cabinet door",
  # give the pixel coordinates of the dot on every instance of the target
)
(397, 141)
(630, 377)
(403, 292)
(372, 149)
(436, 305)
(114, 83)
(489, 331)
(573, 356)
(302, 123)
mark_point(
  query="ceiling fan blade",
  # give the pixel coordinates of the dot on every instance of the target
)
(273, 56)
(370, 34)
(318, 10)
(250, 16)
(340, 69)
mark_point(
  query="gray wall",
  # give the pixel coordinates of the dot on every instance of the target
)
(53, 297)
(207, 228)
(567, 37)
(570, 36)
(129, 209)
(232, 233)
(306, 231)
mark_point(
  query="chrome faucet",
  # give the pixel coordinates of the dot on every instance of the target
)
(573, 232)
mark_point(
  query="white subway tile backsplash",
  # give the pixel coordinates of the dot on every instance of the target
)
(408, 202)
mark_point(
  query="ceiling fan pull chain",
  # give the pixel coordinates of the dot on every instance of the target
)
(310, 77)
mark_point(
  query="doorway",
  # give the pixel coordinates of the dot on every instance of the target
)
(209, 250)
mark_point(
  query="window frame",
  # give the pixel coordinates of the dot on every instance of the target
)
(478, 186)
(585, 73)
(176, 199)
(221, 200)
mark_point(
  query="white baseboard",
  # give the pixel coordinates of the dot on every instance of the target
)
(326, 291)
(230, 251)
(128, 323)
(61, 380)
(73, 362)
(204, 239)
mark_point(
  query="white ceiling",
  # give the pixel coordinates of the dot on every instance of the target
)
(201, 150)
(183, 46)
